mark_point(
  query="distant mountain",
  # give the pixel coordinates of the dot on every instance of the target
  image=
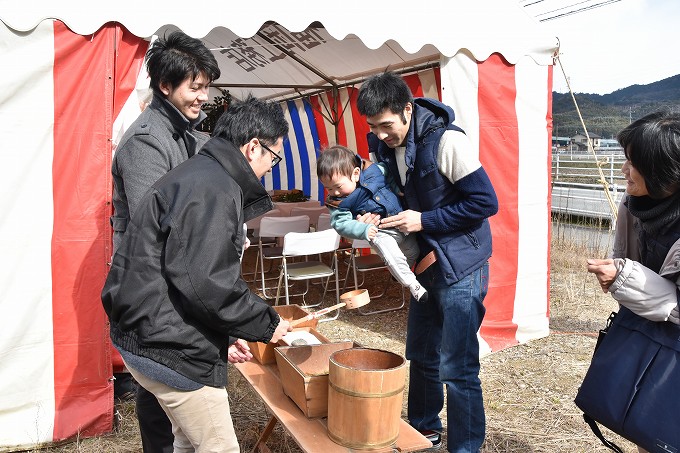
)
(607, 114)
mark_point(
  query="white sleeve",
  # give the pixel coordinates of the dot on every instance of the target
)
(456, 156)
(643, 291)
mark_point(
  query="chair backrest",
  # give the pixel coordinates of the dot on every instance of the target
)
(254, 224)
(279, 226)
(297, 244)
(312, 212)
(324, 222)
(286, 207)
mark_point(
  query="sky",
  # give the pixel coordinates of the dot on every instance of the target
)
(614, 46)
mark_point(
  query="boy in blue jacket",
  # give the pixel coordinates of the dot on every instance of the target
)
(355, 187)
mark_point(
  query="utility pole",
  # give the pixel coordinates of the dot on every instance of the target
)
(630, 114)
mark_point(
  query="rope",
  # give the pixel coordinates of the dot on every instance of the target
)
(599, 163)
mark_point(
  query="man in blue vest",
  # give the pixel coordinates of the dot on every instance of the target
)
(448, 198)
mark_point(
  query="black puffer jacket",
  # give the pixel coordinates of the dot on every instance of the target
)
(174, 293)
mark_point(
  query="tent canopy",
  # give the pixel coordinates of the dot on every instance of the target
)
(67, 91)
(277, 51)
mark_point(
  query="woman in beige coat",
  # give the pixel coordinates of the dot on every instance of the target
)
(644, 273)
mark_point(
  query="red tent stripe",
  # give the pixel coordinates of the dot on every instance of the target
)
(320, 124)
(499, 144)
(342, 130)
(84, 69)
(360, 125)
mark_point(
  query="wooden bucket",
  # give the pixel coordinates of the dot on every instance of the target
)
(365, 394)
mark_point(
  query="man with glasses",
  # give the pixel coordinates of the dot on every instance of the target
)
(275, 157)
(174, 295)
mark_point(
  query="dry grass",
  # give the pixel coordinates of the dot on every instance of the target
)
(528, 389)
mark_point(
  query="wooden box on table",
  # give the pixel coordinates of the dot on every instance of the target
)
(264, 352)
(304, 374)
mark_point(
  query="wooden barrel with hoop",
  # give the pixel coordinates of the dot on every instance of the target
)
(365, 395)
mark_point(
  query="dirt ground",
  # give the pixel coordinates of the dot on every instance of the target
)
(528, 388)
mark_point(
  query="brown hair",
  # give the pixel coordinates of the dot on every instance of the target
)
(336, 160)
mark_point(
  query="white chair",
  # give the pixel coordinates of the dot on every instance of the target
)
(324, 223)
(306, 245)
(253, 232)
(276, 227)
(312, 212)
(254, 224)
(369, 263)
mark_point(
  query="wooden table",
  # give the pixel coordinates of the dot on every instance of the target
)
(310, 434)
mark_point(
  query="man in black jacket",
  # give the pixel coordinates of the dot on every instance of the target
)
(174, 294)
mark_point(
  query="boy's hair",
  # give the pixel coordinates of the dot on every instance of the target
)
(384, 91)
(335, 160)
(652, 145)
(252, 118)
(176, 57)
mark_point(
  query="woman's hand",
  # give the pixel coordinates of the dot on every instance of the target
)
(604, 270)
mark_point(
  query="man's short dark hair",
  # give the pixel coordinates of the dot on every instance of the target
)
(252, 118)
(383, 91)
(178, 56)
(652, 145)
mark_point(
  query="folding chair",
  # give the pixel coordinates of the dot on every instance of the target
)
(276, 227)
(368, 263)
(324, 221)
(253, 232)
(306, 245)
(312, 212)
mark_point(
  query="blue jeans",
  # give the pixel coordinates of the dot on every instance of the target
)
(442, 346)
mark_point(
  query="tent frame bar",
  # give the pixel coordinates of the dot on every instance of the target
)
(318, 89)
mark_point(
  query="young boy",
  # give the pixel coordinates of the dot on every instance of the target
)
(357, 186)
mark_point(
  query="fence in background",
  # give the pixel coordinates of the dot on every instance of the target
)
(577, 189)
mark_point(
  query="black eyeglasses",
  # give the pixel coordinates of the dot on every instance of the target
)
(276, 158)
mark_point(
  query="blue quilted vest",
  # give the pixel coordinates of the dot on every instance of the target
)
(459, 253)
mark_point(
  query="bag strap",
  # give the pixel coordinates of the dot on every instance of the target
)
(589, 420)
(596, 430)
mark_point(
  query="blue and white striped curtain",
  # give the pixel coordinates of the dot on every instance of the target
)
(311, 131)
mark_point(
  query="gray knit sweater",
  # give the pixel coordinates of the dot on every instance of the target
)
(157, 141)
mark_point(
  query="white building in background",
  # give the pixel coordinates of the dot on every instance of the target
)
(581, 141)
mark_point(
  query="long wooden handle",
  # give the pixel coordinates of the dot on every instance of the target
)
(316, 314)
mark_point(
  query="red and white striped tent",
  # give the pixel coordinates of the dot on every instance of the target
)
(69, 71)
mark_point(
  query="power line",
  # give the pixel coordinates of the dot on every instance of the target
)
(568, 13)
(564, 7)
(608, 2)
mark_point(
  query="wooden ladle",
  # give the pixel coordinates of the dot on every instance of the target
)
(353, 299)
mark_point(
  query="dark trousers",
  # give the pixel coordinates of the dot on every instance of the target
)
(154, 425)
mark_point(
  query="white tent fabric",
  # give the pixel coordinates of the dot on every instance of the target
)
(372, 35)
(62, 107)
(482, 27)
